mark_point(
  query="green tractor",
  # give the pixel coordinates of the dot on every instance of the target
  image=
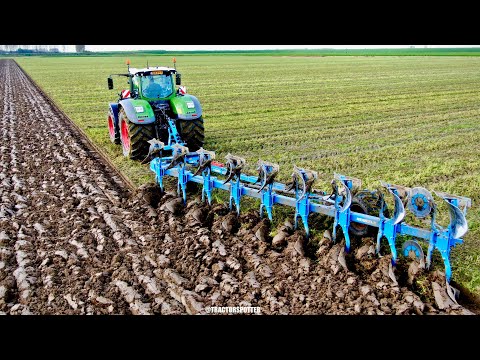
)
(152, 107)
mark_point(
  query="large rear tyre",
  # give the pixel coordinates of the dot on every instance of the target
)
(192, 133)
(134, 137)
(113, 131)
(364, 202)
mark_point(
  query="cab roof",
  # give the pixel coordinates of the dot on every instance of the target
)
(134, 71)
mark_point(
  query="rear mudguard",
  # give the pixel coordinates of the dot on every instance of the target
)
(186, 107)
(138, 111)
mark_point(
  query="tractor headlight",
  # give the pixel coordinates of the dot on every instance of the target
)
(190, 105)
(139, 109)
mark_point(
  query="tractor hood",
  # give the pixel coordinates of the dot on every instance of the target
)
(187, 107)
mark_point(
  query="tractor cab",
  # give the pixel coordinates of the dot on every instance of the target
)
(153, 83)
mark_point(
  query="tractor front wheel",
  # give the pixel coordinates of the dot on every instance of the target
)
(192, 133)
(134, 137)
(113, 130)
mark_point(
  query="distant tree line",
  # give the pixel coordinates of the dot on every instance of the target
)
(38, 48)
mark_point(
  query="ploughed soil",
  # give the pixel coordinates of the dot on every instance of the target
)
(75, 240)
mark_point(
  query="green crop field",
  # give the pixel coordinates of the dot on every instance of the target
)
(407, 120)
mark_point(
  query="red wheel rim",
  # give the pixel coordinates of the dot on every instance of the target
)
(125, 138)
(111, 128)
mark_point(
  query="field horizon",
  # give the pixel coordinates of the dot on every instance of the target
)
(417, 51)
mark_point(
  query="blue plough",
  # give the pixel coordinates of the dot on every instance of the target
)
(200, 167)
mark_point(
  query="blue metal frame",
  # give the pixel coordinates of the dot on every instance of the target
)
(389, 227)
(305, 201)
(267, 200)
(342, 212)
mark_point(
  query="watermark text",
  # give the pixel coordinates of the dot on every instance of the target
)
(232, 310)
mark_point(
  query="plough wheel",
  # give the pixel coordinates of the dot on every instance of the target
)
(411, 247)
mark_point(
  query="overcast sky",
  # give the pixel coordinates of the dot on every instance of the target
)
(250, 47)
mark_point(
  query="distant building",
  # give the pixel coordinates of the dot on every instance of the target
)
(54, 50)
(80, 48)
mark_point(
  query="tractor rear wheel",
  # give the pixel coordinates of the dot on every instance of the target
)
(192, 133)
(113, 130)
(364, 202)
(134, 137)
